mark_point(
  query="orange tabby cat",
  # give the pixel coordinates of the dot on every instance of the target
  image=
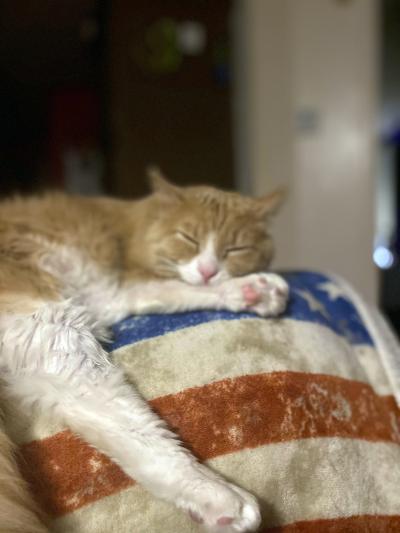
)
(72, 266)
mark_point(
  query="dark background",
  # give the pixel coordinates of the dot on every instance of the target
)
(93, 91)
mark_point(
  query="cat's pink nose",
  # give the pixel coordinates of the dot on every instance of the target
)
(208, 271)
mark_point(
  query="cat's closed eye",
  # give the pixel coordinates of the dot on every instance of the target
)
(187, 238)
(237, 250)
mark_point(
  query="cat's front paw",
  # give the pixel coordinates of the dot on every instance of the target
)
(264, 294)
(221, 507)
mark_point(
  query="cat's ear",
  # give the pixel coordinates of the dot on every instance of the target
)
(159, 183)
(270, 204)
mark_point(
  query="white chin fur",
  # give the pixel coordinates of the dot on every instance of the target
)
(190, 274)
(191, 279)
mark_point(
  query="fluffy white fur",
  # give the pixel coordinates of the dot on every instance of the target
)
(52, 358)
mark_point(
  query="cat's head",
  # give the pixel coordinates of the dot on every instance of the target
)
(204, 235)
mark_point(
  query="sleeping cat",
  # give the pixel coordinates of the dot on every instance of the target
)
(72, 266)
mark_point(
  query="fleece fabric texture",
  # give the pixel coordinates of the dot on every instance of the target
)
(299, 410)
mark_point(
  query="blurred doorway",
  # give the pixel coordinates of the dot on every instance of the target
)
(170, 80)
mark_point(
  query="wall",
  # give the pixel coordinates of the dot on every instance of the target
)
(305, 108)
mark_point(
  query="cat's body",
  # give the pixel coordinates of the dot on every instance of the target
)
(70, 267)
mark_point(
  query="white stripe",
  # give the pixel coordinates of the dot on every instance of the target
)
(218, 350)
(318, 478)
(299, 480)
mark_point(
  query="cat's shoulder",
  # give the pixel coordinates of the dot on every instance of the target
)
(56, 204)
(27, 203)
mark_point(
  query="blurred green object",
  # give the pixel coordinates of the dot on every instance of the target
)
(159, 52)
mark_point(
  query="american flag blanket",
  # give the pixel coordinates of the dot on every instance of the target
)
(300, 410)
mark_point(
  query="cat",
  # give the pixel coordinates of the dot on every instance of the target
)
(72, 266)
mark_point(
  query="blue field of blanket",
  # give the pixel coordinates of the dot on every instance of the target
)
(313, 298)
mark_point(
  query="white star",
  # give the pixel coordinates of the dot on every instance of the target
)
(313, 303)
(333, 290)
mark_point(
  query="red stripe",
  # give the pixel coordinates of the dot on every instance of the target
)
(250, 411)
(219, 418)
(66, 473)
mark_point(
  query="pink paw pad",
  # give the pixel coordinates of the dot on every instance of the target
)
(250, 294)
(195, 517)
(225, 521)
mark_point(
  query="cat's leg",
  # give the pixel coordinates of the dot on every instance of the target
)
(110, 300)
(50, 358)
(262, 293)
